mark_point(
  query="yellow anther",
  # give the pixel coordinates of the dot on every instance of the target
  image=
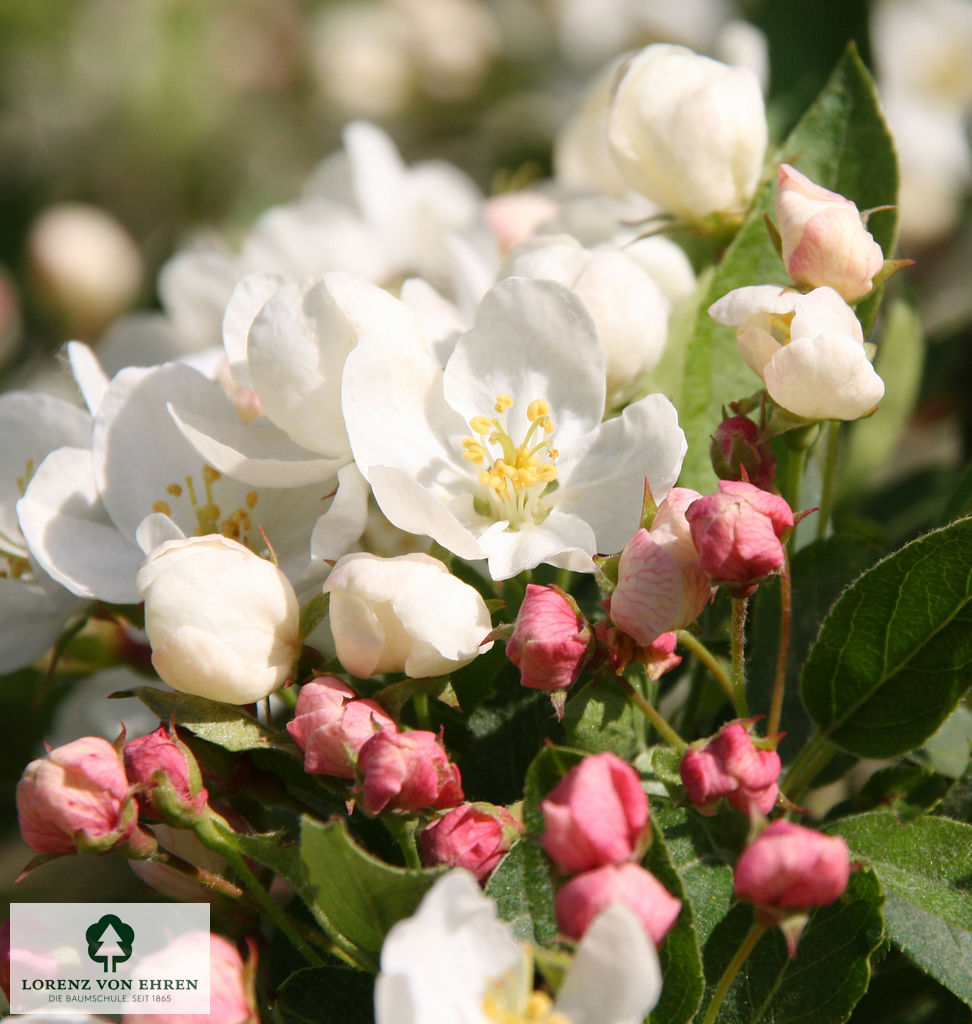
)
(251, 499)
(481, 424)
(175, 490)
(483, 478)
(546, 473)
(546, 424)
(537, 409)
(503, 402)
(553, 453)
(538, 1006)
(526, 477)
(161, 506)
(473, 451)
(210, 475)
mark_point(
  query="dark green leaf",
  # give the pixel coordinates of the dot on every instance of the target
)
(680, 957)
(356, 897)
(522, 886)
(820, 571)
(841, 143)
(960, 500)
(602, 717)
(226, 726)
(892, 658)
(925, 869)
(326, 995)
(908, 790)
(829, 975)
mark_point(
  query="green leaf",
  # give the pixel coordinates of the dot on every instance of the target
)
(326, 995)
(959, 502)
(522, 886)
(820, 571)
(701, 861)
(841, 143)
(925, 869)
(546, 770)
(908, 790)
(892, 658)
(356, 898)
(224, 725)
(899, 361)
(681, 959)
(601, 717)
(829, 975)
(312, 614)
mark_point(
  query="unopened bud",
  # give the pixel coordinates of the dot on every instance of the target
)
(731, 765)
(471, 836)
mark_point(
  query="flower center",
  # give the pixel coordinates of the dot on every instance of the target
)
(208, 515)
(514, 476)
(511, 1000)
(779, 327)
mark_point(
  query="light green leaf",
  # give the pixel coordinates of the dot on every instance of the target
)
(522, 886)
(925, 869)
(893, 655)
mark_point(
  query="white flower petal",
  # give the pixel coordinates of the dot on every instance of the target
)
(257, 453)
(156, 529)
(70, 533)
(30, 621)
(827, 377)
(436, 965)
(532, 339)
(32, 424)
(562, 540)
(615, 977)
(249, 296)
(604, 479)
(343, 523)
(91, 379)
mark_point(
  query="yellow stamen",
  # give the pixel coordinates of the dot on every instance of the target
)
(503, 402)
(175, 490)
(161, 506)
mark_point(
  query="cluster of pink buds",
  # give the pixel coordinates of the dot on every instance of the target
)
(596, 821)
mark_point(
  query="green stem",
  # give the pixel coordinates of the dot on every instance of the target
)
(796, 459)
(739, 606)
(782, 654)
(704, 655)
(807, 766)
(210, 837)
(748, 945)
(405, 832)
(564, 579)
(829, 478)
(662, 727)
(420, 701)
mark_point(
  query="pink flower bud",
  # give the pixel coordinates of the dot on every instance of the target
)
(736, 449)
(331, 725)
(551, 641)
(231, 981)
(76, 798)
(787, 871)
(584, 897)
(789, 867)
(407, 771)
(731, 765)
(165, 776)
(595, 815)
(661, 585)
(824, 239)
(737, 533)
(471, 836)
(658, 657)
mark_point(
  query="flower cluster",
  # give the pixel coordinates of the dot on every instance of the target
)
(415, 477)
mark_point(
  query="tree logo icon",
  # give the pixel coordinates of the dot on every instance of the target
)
(110, 942)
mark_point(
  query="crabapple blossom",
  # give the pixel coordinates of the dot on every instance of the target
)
(661, 583)
(808, 349)
(731, 765)
(824, 239)
(688, 132)
(404, 614)
(223, 622)
(454, 961)
(737, 534)
(580, 900)
(551, 641)
(407, 771)
(331, 724)
(468, 455)
(77, 797)
(597, 814)
(471, 836)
